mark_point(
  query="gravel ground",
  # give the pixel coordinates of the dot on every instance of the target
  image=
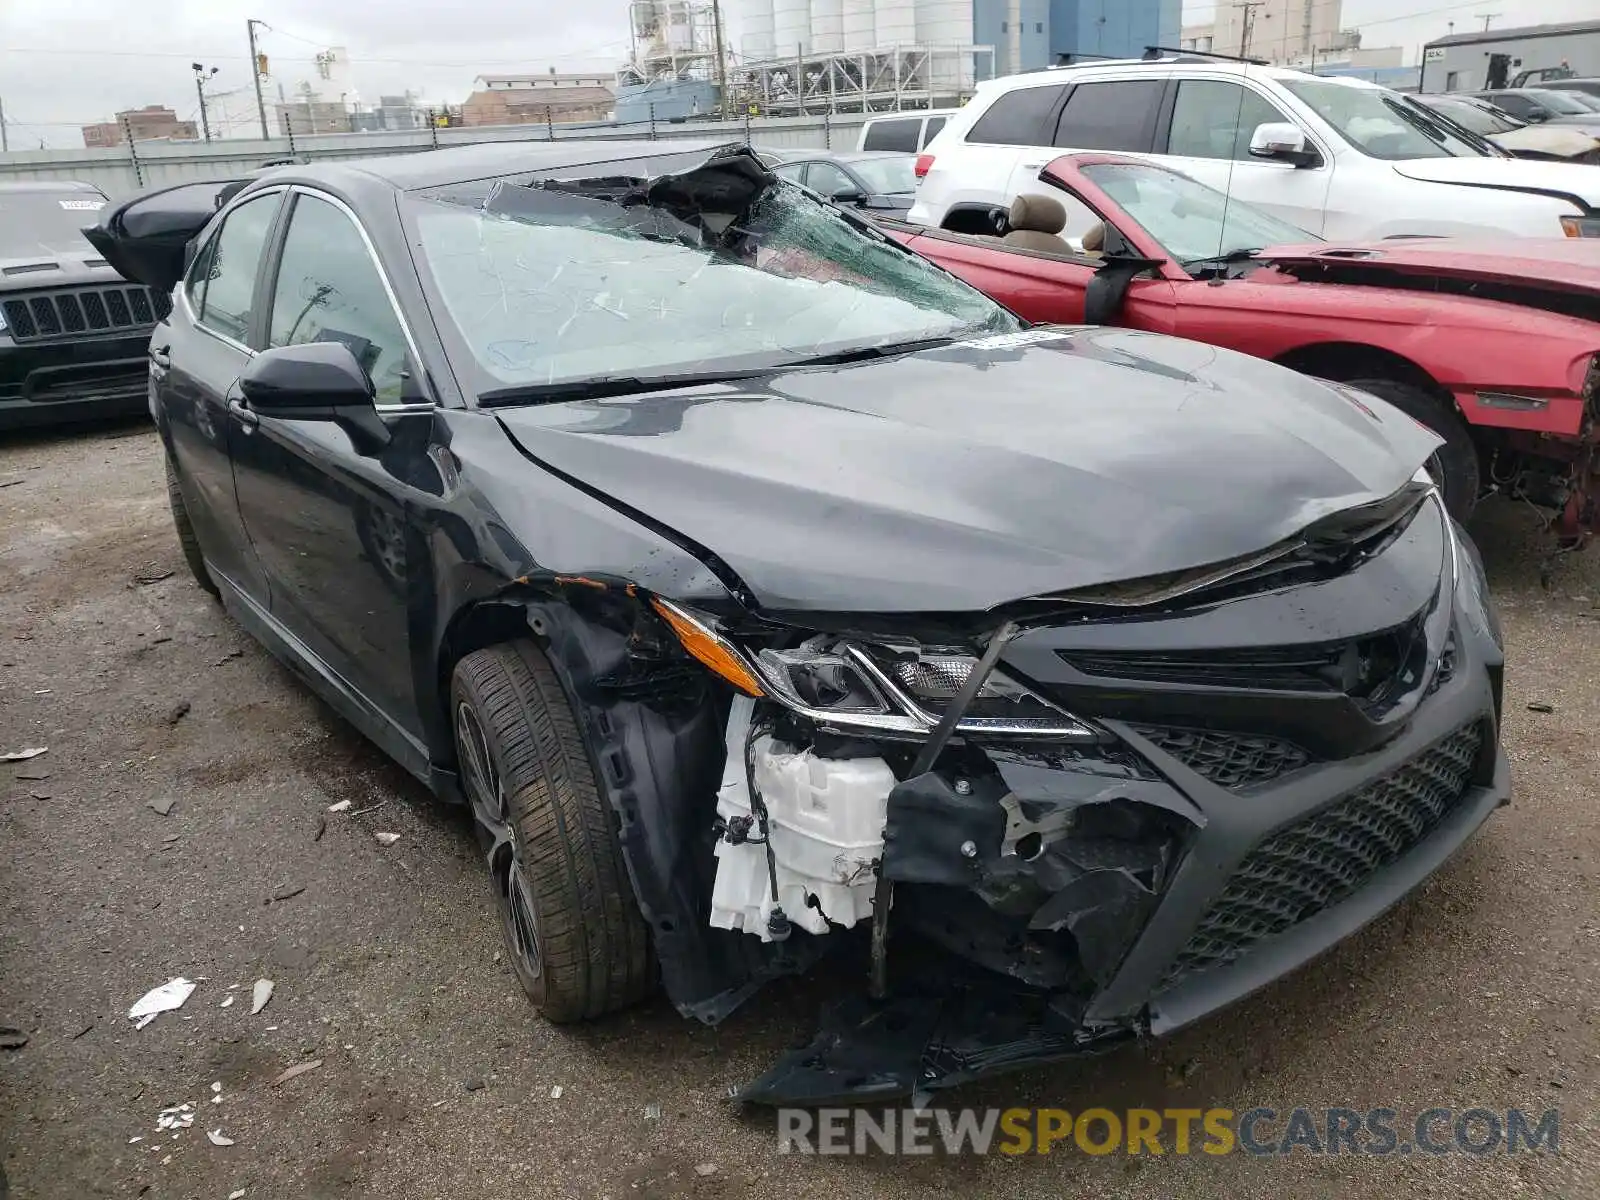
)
(436, 1079)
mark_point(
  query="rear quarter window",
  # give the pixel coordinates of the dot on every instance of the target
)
(898, 135)
(1018, 118)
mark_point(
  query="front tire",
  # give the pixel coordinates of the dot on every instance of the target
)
(186, 538)
(574, 933)
(1454, 466)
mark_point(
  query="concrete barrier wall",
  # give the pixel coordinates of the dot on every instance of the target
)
(122, 170)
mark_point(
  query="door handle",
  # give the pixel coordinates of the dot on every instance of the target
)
(161, 355)
(247, 419)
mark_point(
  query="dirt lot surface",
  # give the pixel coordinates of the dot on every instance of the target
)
(437, 1080)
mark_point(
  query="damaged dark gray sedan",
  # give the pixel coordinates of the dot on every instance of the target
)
(768, 593)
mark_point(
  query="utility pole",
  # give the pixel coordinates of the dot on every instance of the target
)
(257, 61)
(1485, 18)
(200, 78)
(722, 61)
(1249, 8)
(5, 142)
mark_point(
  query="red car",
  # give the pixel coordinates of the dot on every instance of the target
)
(1493, 345)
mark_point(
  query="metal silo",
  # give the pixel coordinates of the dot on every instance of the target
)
(942, 24)
(827, 26)
(856, 22)
(791, 27)
(752, 20)
(895, 22)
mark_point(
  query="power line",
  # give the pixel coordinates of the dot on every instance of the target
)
(355, 60)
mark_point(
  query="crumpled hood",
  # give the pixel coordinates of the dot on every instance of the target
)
(1577, 180)
(1559, 264)
(959, 478)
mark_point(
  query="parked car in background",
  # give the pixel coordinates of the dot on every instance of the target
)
(1589, 86)
(1493, 345)
(72, 332)
(1339, 157)
(880, 183)
(1538, 105)
(1566, 143)
(903, 132)
(751, 578)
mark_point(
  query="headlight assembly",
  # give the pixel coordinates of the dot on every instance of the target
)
(861, 687)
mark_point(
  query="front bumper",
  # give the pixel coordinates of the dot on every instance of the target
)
(1229, 835)
(60, 382)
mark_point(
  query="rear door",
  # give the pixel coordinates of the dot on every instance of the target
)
(980, 175)
(197, 355)
(1109, 114)
(1207, 137)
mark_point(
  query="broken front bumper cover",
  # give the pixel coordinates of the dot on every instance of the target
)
(925, 1039)
(1092, 894)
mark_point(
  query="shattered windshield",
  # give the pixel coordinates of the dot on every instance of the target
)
(719, 269)
(1380, 123)
(44, 224)
(1193, 223)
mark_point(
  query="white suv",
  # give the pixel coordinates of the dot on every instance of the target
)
(1342, 158)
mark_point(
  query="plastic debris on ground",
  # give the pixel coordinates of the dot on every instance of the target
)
(226, 1001)
(23, 755)
(341, 806)
(387, 839)
(260, 994)
(705, 1168)
(297, 1069)
(217, 1138)
(652, 1112)
(180, 1117)
(239, 1195)
(168, 996)
(555, 1092)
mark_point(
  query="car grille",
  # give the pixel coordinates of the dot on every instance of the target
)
(1300, 871)
(64, 312)
(1230, 760)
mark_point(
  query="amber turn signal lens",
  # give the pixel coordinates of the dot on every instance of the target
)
(708, 648)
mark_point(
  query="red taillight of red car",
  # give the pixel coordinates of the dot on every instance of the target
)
(924, 165)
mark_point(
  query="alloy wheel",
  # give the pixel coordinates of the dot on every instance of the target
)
(497, 833)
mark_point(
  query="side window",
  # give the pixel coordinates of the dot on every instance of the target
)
(829, 180)
(790, 171)
(1118, 115)
(222, 282)
(898, 135)
(329, 290)
(931, 129)
(1214, 119)
(1018, 118)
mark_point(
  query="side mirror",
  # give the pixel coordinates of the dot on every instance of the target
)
(316, 381)
(849, 197)
(1539, 115)
(1282, 142)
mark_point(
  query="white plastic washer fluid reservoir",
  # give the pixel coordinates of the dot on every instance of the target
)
(825, 819)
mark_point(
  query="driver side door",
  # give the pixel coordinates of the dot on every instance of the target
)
(325, 508)
(1207, 137)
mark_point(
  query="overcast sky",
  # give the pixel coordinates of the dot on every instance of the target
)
(65, 63)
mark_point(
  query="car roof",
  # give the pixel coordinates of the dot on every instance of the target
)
(1163, 67)
(49, 186)
(464, 164)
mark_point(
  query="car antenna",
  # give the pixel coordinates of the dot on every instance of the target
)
(1233, 159)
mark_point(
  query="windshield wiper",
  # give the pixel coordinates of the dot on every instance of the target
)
(600, 386)
(864, 353)
(1242, 254)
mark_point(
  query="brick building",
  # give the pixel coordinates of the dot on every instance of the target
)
(533, 99)
(152, 121)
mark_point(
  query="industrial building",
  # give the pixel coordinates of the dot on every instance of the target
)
(789, 56)
(549, 98)
(142, 125)
(1469, 62)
